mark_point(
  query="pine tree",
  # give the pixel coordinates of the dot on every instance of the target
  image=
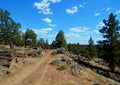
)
(41, 43)
(46, 44)
(60, 40)
(111, 44)
(8, 28)
(53, 45)
(30, 38)
(91, 48)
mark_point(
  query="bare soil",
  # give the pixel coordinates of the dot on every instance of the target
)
(41, 72)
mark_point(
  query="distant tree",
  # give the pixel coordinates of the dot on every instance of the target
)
(22, 39)
(74, 48)
(8, 28)
(41, 43)
(30, 38)
(110, 46)
(91, 48)
(17, 39)
(46, 44)
(53, 45)
(60, 40)
(69, 47)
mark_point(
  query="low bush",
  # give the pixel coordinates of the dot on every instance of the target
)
(61, 51)
(61, 66)
(56, 61)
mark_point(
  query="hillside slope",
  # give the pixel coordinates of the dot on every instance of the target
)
(41, 72)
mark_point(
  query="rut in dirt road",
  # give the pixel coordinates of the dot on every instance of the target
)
(31, 75)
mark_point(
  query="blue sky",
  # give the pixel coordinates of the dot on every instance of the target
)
(79, 19)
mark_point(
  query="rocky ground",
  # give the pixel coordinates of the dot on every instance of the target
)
(55, 68)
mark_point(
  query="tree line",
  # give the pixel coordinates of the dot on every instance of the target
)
(108, 48)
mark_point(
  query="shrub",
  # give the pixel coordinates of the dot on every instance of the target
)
(56, 61)
(75, 69)
(54, 53)
(61, 51)
(61, 66)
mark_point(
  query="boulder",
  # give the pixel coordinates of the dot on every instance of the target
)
(5, 58)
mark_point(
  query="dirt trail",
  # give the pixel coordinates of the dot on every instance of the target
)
(30, 75)
(40, 72)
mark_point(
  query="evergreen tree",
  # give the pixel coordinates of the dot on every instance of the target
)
(74, 48)
(53, 44)
(111, 44)
(17, 39)
(46, 44)
(22, 39)
(41, 43)
(8, 28)
(60, 40)
(30, 38)
(91, 48)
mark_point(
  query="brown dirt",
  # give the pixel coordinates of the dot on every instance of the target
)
(41, 72)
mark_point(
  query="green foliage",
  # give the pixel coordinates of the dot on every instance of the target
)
(61, 66)
(74, 48)
(61, 50)
(43, 44)
(110, 46)
(91, 48)
(53, 44)
(60, 40)
(54, 53)
(8, 28)
(47, 45)
(30, 38)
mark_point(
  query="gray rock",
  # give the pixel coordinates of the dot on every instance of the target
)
(75, 69)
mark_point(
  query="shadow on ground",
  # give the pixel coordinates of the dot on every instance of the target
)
(107, 73)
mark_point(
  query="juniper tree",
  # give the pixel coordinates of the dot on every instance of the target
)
(110, 46)
(30, 38)
(60, 40)
(8, 28)
(91, 48)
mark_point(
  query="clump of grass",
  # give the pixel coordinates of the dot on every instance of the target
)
(61, 50)
(61, 66)
(56, 61)
(54, 53)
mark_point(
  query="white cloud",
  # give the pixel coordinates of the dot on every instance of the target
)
(72, 35)
(55, 1)
(101, 24)
(52, 25)
(42, 31)
(118, 12)
(47, 20)
(79, 29)
(96, 31)
(72, 10)
(108, 9)
(97, 14)
(81, 6)
(44, 6)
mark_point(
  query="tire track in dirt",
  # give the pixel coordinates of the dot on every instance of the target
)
(37, 76)
(31, 74)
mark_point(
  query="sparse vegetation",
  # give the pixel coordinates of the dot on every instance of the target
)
(109, 47)
(78, 59)
(61, 66)
(60, 40)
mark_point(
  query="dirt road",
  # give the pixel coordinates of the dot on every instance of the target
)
(41, 72)
(30, 75)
